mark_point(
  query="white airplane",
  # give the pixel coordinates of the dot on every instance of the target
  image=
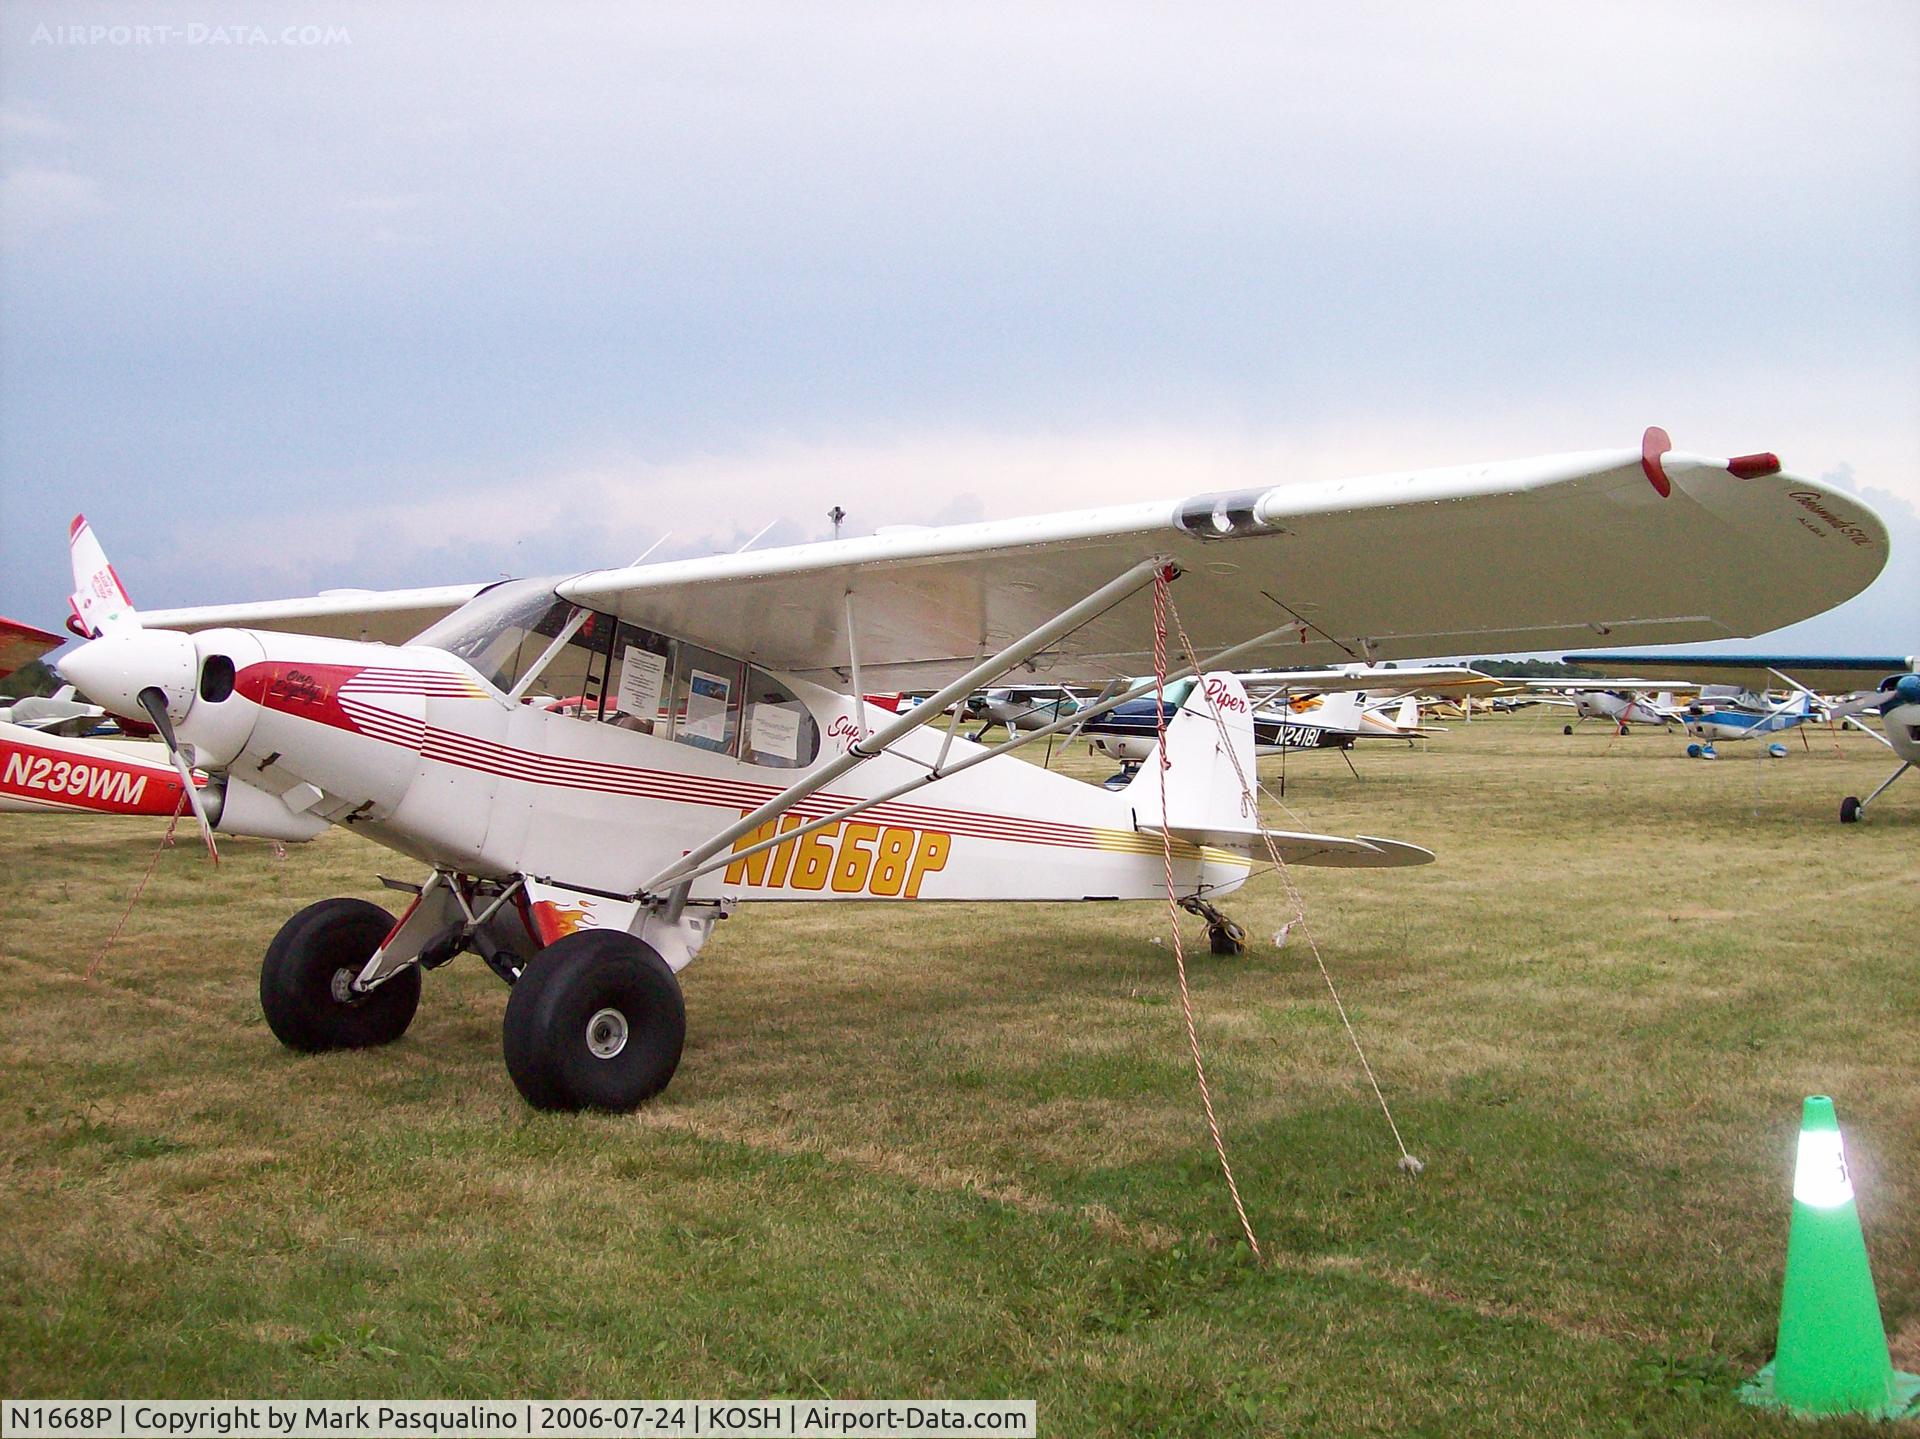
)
(1021, 707)
(1888, 685)
(1327, 708)
(57, 713)
(1619, 703)
(588, 857)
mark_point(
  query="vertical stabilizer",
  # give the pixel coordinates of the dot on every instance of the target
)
(1204, 790)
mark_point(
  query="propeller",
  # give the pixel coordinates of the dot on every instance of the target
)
(154, 702)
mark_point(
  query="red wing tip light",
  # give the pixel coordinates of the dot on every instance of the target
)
(1754, 467)
(1653, 445)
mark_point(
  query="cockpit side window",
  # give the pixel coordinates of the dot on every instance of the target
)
(627, 675)
(502, 630)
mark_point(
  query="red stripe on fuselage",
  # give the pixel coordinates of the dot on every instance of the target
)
(315, 692)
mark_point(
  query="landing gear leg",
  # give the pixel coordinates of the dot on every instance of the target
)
(1851, 809)
(1224, 936)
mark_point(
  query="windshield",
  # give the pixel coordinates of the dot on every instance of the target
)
(501, 630)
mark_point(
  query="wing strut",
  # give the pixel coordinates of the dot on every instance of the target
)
(865, 748)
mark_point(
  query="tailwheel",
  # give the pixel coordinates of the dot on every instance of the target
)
(1850, 809)
(306, 980)
(1566, 729)
(595, 1021)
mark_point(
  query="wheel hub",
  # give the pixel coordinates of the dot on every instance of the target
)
(342, 986)
(606, 1033)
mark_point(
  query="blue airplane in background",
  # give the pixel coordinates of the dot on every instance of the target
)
(1887, 685)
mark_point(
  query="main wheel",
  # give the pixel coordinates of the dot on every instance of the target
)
(306, 980)
(1566, 729)
(1850, 809)
(595, 1021)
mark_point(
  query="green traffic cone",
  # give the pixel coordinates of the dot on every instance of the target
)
(1832, 1356)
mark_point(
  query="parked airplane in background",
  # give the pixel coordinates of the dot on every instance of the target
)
(1732, 714)
(57, 713)
(1299, 709)
(1887, 685)
(1021, 707)
(588, 860)
(1619, 703)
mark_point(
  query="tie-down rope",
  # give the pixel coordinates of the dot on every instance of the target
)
(1160, 603)
(1407, 1163)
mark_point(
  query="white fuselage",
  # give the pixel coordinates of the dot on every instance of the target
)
(408, 745)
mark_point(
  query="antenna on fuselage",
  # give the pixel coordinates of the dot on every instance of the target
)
(836, 514)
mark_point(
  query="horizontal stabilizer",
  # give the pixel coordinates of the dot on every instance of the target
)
(1326, 850)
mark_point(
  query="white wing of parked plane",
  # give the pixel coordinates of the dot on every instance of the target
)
(1607, 686)
(1646, 546)
(1379, 680)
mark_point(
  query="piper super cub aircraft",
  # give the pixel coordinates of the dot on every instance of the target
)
(587, 852)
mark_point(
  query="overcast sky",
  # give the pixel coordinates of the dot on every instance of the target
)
(303, 295)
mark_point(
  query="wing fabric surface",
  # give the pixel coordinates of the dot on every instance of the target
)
(1562, 550)
(1590, 549)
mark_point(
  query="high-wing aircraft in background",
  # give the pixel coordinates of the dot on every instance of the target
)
(719, 754)
(1887, 685)
(1620, 703)
(1020, 707)
(1327, 708)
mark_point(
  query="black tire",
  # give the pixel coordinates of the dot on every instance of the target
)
(1625, 730)
(1566, 729)
(1850, 809)
(588, 992)
(300, 989)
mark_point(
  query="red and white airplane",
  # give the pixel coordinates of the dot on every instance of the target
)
(718, 755)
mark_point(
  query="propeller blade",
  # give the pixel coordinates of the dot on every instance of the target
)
(155, 704)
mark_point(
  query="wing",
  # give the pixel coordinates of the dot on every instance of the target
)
(387, 616)
(20, 643)
(1825, 674)
(1400, 679)
(1610, 686)
(1600, 548)
(1644, 545)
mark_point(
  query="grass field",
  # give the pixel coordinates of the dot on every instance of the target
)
(957, 1150)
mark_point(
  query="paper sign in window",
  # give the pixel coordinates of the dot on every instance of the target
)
(707, 696)
(642, 673)
(775, 731)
